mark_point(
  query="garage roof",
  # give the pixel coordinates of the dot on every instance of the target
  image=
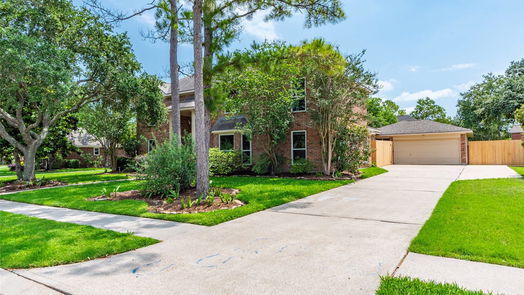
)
(420, 127)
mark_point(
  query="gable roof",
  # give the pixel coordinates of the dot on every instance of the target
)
(228, 123)
(186, 84)
(80, 138)
(406, 118)
(516, 129)
(420, 127)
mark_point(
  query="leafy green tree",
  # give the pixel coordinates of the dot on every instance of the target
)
(338, 88)
(519, 115)
(427, 109)
(57, 58)
(382, 112)
(488, 107)
(261, 91)
(477, 109)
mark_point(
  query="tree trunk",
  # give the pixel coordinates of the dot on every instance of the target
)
(114, 163)
(200, 116)
(18, 164)
(29, 162)
(173, 67)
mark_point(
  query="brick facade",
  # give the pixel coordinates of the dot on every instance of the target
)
(464, 149)
(302, 122)
(516, 136)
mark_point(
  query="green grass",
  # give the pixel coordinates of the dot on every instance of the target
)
(519, 170)
(4, 170)
(258, 193)
(32, 242)
(409, 286)
(479, 220)
(371, 171)
(75, 176)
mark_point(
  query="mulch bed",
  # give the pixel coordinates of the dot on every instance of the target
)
(158, 205)
(13, 186)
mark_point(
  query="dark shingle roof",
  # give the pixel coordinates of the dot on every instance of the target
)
(229, 123)
(420, 127)
(186, 84)
(406, 118)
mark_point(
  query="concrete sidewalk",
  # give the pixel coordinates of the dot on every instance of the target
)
(468, 274)
(337, 242)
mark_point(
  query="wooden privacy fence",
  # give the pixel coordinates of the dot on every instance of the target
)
(382, 152)
(496, 152)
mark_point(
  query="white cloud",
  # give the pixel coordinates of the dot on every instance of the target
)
(409, 109)
(386, 85)
(413, 68)
(433, 94)
(464, 86)
(457, 67)
(259, 28)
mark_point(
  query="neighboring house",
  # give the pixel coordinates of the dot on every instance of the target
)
(426, 142)
(516, 132)
(87, 145)
(302, 142)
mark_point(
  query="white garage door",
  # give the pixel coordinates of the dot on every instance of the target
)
(426, 150)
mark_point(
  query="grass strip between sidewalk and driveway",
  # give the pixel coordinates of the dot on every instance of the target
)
(75, 176)
(478, 220)
(371, 171)
(409, 286)
(258, 193)
(28, 242)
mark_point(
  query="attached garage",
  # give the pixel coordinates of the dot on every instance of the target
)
(424, 142)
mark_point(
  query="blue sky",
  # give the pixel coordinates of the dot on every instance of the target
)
(417, 48)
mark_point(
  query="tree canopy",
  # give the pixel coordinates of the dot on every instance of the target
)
(428, 109)
(382, 112)
(488, 107)
(57, 58)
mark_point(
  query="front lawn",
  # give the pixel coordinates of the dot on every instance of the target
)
(479, 220)
(74, 176)
(258, 193)
(409, 286)
(33, 242)
(519, 170)
(4, 170)
(371, 171)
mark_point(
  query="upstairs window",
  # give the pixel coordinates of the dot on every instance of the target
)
(226, 142)
(299, 99)
(298, 145)
(246, 150)
(151, 145)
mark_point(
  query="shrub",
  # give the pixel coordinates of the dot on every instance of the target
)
(301, 166)
(351, 148)
(223, 163)
(125, 164)
(72, 163)
(12, 167)
(262, 165)
(169, 167)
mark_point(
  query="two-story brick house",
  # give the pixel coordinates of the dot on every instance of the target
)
(303, 141)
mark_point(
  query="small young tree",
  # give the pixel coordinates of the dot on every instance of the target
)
(261, 90)
(338, 88)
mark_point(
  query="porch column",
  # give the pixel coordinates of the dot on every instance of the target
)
(193, 126)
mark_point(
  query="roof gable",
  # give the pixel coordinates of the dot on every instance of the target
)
(421, 127)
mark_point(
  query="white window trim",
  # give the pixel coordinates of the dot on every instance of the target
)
(305, 99)
(95, 153)
(149, 149)
(242, 150)
(226, 134)
(300, 149)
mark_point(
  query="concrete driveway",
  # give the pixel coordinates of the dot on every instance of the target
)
(337, 242)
